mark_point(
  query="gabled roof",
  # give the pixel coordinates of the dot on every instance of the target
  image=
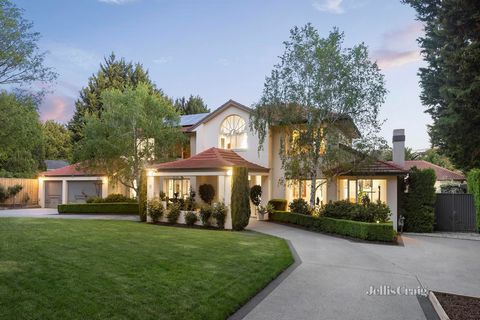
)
(213, 158)
(211, 115)
(73, 170)
(378, 167)
(441, 173)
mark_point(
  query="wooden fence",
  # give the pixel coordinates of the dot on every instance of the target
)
(29, 191)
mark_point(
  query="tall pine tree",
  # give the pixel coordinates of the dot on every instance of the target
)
(192, 105)
(113, 74)
(451, 81)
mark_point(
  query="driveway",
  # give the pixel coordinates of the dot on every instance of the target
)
(53, 213)
(335, 274)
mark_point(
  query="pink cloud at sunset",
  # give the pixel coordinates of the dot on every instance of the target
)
(57, 108)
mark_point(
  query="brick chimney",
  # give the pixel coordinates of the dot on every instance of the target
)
(399, 147)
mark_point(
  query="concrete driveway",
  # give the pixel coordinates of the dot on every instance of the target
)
(336, 273)
(53, 213)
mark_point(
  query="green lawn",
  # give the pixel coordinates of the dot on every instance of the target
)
(94, 269)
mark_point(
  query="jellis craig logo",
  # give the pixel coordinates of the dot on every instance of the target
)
(387, 290)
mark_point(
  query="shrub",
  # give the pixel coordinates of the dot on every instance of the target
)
(155, 210)
(100, 208)
(142, 196)
(300, 206)
(190, 218)
(117, 197)
(453, 187)
(207, 193)
(473, 181)
(163, 196)
(356, 229)
(256, 195)
(220, 214)
(278, 204)
(205, 214)
(368, 212)
(240, 202)
(173, 213)
(189, 204)
(418, 208)
(264, 210)
(3, 194)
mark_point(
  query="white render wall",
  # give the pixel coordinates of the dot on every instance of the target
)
(208, 136)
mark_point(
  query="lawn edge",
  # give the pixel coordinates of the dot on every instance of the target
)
(262, 294)
(442, 315)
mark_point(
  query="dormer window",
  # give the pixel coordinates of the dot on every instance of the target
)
(233, 133)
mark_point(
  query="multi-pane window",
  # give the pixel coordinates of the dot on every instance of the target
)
(233, 133)
(354, 190)
(178, 186)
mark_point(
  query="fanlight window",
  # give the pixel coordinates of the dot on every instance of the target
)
(233, 133)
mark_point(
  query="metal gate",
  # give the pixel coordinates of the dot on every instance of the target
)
(455, 212)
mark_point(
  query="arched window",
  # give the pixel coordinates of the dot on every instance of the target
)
(233, 133)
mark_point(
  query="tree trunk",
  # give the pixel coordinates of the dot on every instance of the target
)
(313, 188)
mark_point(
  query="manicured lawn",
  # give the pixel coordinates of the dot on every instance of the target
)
(94, 269)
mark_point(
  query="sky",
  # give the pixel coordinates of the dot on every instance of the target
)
(223, 49)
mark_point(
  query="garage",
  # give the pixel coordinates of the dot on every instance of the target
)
(53, 193)
(80, 191)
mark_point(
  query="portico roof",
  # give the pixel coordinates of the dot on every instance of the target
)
(213, 158)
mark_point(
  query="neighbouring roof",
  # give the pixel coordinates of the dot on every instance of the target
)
(72, 170)
(441, 173)
(213, 158)
(55, 164)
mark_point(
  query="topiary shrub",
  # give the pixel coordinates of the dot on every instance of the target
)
(155, 210)
(220, 214)
(142, 196)
(256, 195)
(473, 182)
(278, 204)
(207, 193)
(190, 218)
(205, 214)
(300, 206)
(173, 213)
(240, 202)
(419, 202)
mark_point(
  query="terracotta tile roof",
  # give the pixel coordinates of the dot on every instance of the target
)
(441, 173)
(213, 158)
(69, 171)
(378, 167)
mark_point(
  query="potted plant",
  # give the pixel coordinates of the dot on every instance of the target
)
(163, 199)
(263, 210)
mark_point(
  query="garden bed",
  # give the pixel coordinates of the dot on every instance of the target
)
(362, 230)
(99, 208)
(459, 307)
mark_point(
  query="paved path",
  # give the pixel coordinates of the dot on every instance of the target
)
(53, 213)
(450, 235)
(336, 273)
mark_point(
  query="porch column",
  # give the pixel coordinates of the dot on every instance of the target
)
(64, 192)
(150, 182)
(41, 192)
(193, 186)
(392, 199)
(266, 192)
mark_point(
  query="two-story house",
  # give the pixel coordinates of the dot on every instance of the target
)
(221, 140)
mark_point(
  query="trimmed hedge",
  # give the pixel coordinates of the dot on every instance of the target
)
(356, 229)
(100, 208)
(473, 181)
(278, 204)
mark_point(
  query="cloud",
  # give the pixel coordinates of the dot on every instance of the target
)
(117, 2)
(399, 47)
(390, 59)
(332, 6)
(70, 55)
(162, 60)
(58, 108)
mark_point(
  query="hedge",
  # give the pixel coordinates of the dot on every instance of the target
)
(356, 229)
(278, 204)
(100, 208)
(473, 181)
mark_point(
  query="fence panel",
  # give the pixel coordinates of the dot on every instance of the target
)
(30, 190)
(455, 212)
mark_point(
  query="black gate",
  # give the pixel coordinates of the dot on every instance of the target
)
(455, 212)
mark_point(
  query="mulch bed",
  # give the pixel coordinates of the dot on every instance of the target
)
(459, 307)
